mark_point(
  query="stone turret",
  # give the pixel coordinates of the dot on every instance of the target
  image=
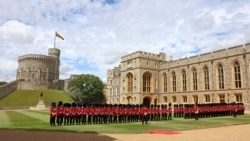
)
(38, 71)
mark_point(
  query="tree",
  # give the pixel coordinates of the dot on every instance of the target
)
(86, 88)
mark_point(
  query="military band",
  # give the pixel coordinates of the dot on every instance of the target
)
(76, 114)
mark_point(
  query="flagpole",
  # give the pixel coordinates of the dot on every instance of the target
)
(55, 41)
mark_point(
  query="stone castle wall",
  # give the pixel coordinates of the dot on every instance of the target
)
(8, 88)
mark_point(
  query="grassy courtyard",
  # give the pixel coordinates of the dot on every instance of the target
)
(39, 121)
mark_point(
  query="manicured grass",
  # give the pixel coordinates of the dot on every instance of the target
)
(39, 120)
(27, 98)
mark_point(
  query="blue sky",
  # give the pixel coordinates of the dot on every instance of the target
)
(98, 32)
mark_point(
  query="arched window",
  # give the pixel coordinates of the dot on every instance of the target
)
(130, 82)
(195, 88)
(146, 82)
(165, 83)
(206, 78)
(174, 81)
(237, 74)
(184, 80)
(221, 76)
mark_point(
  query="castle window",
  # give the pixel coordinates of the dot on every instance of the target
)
(238, 97)
(221, 76)
(129, 64)
(174, 81)
(237, 75)
(206, 78)
(195, 80)
(207, 98)
(184, 81)
(174, 98)
(130, 82)
(165, 98)
(195, 98)
(165, 88)
(110, 91)
(222, 98)
(184, 98)
(146, 82)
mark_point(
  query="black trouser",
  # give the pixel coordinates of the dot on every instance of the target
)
(144, 119)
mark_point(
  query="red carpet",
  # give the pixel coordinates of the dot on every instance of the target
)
(163, 132)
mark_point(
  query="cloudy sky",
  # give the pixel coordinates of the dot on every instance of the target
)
(98, 32)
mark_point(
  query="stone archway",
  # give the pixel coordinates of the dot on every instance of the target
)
(129, 100)
(146, 101)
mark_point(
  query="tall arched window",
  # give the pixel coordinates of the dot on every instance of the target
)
(195, 87)
(174, 81)
(221, 76)
(237, 74)
(184, 80)
(146, 82)
(165, 83)
(130, 82)
(206, 78)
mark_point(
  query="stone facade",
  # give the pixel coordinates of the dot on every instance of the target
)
(214, 77)
(39, 71)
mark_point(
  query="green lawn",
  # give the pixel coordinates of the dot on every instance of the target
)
(39, 120)
(27, 98)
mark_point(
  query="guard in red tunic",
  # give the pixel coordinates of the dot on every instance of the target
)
(234, 109)
(84, 114)
(196, 111)
(66, 113)
(144, 114)
(59, 115)
(90, 114)
(169, 112)
(53, 113)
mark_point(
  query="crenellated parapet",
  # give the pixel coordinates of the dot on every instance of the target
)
(214, 55)
(141, 54)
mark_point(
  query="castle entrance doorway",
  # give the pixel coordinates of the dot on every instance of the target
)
(146, 101)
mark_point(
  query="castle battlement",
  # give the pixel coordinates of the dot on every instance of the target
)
(141, 54)
(218, 54)
(35, 57)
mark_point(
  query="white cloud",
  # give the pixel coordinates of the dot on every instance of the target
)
(97, 34)
(16, 32)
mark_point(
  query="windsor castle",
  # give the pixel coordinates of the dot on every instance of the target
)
(215, 77)
(220, 76)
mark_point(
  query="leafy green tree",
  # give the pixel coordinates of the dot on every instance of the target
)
(86, 88)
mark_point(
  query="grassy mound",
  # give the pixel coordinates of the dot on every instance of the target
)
(27, 98)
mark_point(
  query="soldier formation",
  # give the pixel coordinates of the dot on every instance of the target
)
(76, 114)
(81, 114)
(195, 111)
